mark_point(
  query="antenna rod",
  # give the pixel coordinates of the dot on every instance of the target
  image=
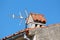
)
(26, 12)
(13, 15)
(21, 15)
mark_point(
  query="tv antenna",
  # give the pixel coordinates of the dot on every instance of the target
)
(21, 17)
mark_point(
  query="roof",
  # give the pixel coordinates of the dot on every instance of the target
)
(19, 35)
(13, 36)
(38, 18)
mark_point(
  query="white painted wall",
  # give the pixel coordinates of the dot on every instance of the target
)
(30, 22)
(34, 38)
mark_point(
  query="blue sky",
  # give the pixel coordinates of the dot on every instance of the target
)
(49, 8)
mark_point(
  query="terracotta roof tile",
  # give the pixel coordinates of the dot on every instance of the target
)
(38, 17)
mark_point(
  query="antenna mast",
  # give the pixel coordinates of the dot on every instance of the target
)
(26, 17)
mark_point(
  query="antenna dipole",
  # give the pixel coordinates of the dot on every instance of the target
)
(21, 17)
